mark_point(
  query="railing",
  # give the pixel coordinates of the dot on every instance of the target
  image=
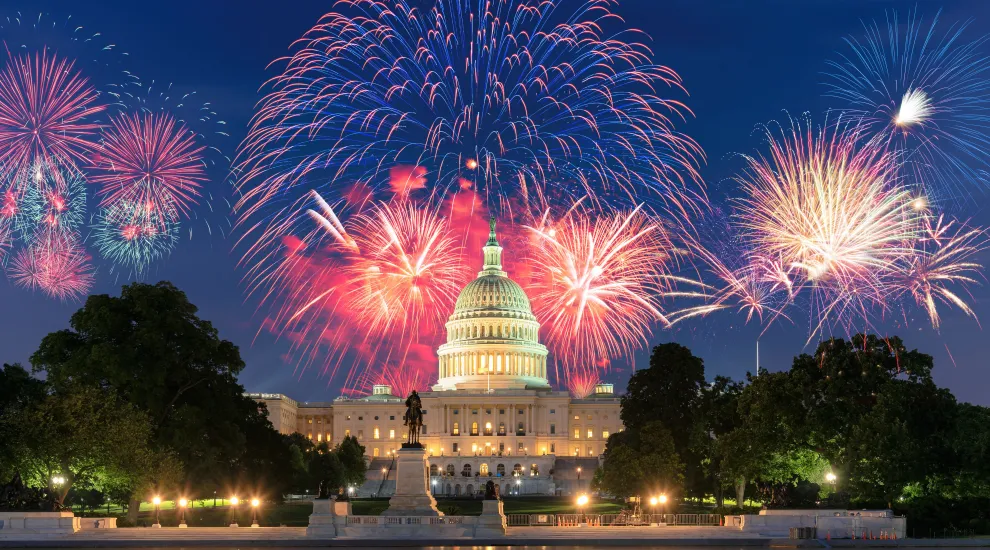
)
(404, 520)
(611, 520)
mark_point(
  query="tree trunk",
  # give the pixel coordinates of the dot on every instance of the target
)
(133, 507)
(740, 491)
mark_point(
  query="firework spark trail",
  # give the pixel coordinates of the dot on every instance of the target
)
(54, 199)
(944, 258)
(152, 160)
(924, 89)
(55, 264)
(133, 236)
(46, 111)
(599, 283)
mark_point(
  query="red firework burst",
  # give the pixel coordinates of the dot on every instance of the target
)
(57, 265)
(150, 160)
(45, 110)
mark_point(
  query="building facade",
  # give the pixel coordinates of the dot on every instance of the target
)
(492, 412)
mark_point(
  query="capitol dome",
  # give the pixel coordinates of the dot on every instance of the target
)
(492, 336)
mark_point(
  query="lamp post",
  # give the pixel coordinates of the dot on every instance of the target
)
(582, 501)
(579, 474)
(157, 501)
(182, 512)
(254, 512)
(830, 477)
(233, 511)
(662, 499)
(653, 506)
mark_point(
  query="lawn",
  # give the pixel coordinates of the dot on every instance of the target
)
(204, 514)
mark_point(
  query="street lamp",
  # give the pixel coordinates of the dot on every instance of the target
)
(662, 499)
(579, 473)
(254, 512)
(582, 501)
(233, 511)
(830, 477)
(157, 501)
(182, 512)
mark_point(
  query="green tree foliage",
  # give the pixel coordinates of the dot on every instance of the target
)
(150, 347)
(18, 389)
(970, 444)
(87, 436)
(639, 463)
(351, 454)
(717, 416)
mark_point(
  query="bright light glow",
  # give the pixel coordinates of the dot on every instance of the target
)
(920, 203)
(916, 108)
(582, 500)
(156, 501)
(663, 499)
(653, 501)
(183, 503)
(830, 477)
(471, 164)
(255, 502)
(234, 500)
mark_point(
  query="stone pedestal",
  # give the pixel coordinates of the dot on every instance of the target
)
(45, 523)
(491, 522)
(412, 485)
(321, 521)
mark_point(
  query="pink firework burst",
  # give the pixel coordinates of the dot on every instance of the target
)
(45, 112)
(150, 160)
(56, 265)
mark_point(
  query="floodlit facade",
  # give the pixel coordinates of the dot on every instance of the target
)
(492, 412)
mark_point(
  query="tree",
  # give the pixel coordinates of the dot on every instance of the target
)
(152, 349)
(669, 391)
(18, 389)
(351, 454)
(325, 465)
(640, 463)
(970, 442)
(86, 436)
(718, 415)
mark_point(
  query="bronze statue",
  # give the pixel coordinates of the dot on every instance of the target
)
(492, 491)
(324, 490)
(413, 419)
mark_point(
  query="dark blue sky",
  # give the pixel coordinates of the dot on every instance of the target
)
(744, 62)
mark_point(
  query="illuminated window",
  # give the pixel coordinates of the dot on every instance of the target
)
(488, 428)
(520, 447)
(348, 417)
(474, 428)
(319, 437)
(457, 429)
(375, 433)
(360, 434)
(309, 435)
(328, 436)
(604, 434)
(484, 469)
(577, 417)
(309, 421)
(501, 428)
(591, 432)
(591, 451)
(589, 417)
(577, 433)
(391, 434)
(376, 452)
(347, 433)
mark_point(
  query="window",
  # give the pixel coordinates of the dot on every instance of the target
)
(591, 432)
(433, 470)
(520, 429)
(450, 469)
(534, 470)
(360, 418)
(391, 417)
(501, 411)
(577, 451)
(347, 433)
(521, 411)
(376, 452)
(423, 431)
(319, 421)
(348, 417)
(375, 434)
(577, 417)
(391, 434)
(520, 447)
(577, 433)
(500, 470)
(360, 434)
(474, 411)
(484, 469)
(474, 428)
(309, 435)
(488, 411)
(488, 428)
(553, 411)
(591, 451)
(376, 417)
(501, 447)
(553, 448)
(553, 429)
(466, 470)
(457, 411)
(455, 450)
(589, 417)
(456, 430)
(517, 470)
(501, 428)
(604, 434)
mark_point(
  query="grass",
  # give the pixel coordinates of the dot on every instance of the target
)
(203, 514)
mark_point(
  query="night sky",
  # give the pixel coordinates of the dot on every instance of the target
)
(743, 62)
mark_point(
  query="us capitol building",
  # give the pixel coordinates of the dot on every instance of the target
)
(492, 413)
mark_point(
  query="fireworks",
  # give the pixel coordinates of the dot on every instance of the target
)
(599, 282)
(46, 110)
(925, 90)
(55, 264)
(506, 101)
(150, 160)
(132, 235)
(54, 200)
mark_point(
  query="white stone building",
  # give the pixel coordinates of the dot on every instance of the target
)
(492, 412)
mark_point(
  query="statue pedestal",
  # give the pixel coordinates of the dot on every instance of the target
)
(491, 522)
(412, 485)
(321, 521)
